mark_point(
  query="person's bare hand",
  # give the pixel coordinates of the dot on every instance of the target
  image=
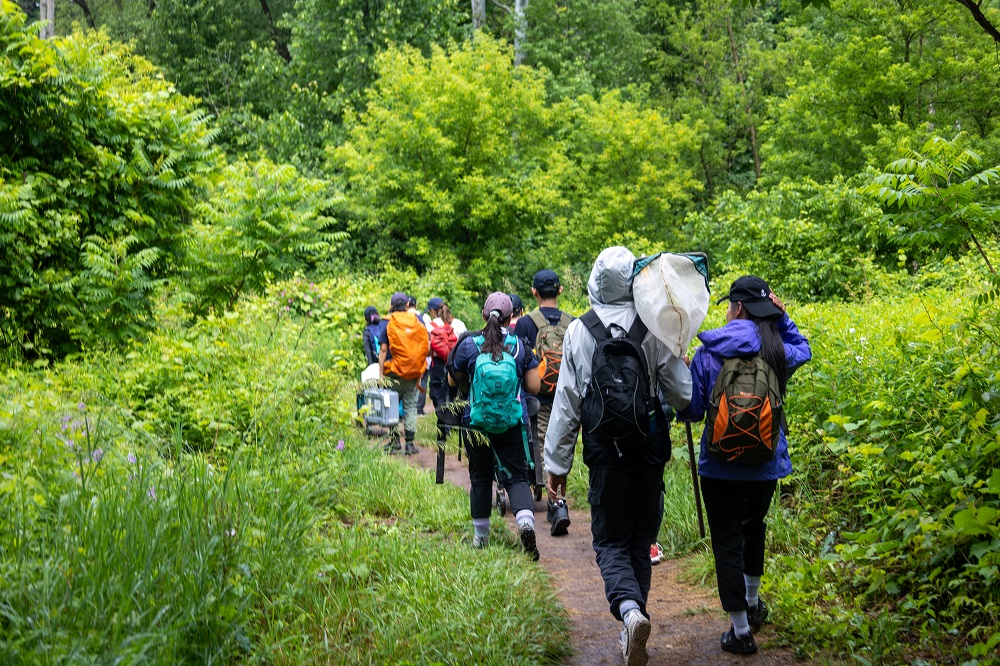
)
(556, 486)
(777, 302)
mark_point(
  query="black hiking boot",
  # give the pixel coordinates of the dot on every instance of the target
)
(738, 644)
(757, 615)
(558, 517)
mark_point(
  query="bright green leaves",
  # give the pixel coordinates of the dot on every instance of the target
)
(975, 521)
(101, 165)
(454, 149)
(813, 241)
(630, 170)
(461, 149)
(260, 221)
(938, 191)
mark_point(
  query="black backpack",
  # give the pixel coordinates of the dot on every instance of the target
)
(618, 404)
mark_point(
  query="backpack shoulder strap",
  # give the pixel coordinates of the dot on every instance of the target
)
(478, 341)
(538, 318)
(638, 330)
(565, 319)
(595, 326)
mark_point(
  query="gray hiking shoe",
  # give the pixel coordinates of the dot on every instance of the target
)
(480, 541)
(635, 633)
(527, 534)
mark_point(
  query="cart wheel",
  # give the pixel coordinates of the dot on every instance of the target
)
(538, 493)
(501, 503)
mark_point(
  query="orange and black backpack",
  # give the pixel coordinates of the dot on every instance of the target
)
(407, 345)
(746, 413)
(548, 348)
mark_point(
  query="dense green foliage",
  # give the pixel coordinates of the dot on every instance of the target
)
(262, 171)
(203, 498)
(101, 166)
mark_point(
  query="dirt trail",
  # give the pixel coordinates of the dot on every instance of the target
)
(686, 619)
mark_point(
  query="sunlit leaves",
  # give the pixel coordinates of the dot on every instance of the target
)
(260, 221)
(101, 164)
(940, 193)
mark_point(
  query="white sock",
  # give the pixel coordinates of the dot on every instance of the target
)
(740, 623)
(481, 526)
(753, 587)
(525, 516)
(627, 607)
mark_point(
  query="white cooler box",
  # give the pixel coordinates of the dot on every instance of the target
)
(383, 407)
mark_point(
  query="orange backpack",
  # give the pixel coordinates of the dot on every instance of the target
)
(407, 344)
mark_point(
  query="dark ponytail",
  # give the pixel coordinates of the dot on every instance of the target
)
(772, 347)
(494, 335)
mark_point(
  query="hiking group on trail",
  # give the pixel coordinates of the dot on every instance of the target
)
(616, 376)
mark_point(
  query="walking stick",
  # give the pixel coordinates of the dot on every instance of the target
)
(440, 463)
(694, 480)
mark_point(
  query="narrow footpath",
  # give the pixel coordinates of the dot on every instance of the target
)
(687, 621)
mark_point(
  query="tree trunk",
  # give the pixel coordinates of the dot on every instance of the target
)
(746, 99)
(520, 24)
(47, 13)
(82, 4)
(279, 44)
(478, 14)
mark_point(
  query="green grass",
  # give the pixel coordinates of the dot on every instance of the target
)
(204, 498)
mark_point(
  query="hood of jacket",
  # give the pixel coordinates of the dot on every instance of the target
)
(611, 277)
(737, 338)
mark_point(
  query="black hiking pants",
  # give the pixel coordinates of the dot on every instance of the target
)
(506, 457)
(626, 508)
(736, 511)
(441, 394)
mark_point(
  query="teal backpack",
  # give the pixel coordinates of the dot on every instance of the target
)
(495, 390)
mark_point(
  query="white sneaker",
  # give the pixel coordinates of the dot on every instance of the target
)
(635, 633)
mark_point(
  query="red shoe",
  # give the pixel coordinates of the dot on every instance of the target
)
(655, 553)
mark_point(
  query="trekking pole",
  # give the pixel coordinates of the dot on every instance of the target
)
(440, 463)
(694, 480)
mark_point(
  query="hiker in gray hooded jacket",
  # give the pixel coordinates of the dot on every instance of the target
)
(626, 481)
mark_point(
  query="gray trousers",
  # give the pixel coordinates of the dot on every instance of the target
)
(408, 391)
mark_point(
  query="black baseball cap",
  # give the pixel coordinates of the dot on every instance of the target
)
(546, 279)
(517, 303)
(754, 294)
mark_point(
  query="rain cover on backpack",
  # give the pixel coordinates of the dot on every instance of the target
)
(407, 344)
(495, 389)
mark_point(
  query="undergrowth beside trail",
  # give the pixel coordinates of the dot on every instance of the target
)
(204, 498)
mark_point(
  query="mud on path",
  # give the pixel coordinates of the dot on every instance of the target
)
(687, 620)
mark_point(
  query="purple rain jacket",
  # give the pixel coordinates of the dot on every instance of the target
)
(738, 338)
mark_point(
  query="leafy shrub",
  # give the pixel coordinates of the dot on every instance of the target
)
(811, 241)
(896, 419)
(101, 165)
(284, 545)
(260, 222)
(938, 193)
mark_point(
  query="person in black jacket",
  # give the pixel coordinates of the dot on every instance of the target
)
(373, 326)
